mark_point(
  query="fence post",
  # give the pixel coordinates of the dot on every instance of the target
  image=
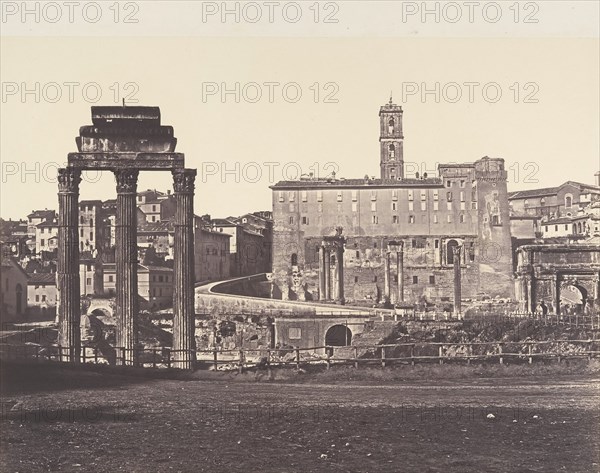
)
(297, 358)
(215, 358)
(328, 357)
(83, 350)
(440, 354)
(60, 353)
(383, 357)
(356, 357)
(269, 373)
(529, 351)
(241, 363)
(501, 359)
(168, 358)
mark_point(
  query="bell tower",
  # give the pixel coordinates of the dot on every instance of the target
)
(391, 141)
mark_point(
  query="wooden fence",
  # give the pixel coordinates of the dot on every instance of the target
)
(376, 355)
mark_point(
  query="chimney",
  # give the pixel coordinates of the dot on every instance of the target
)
(597, 175)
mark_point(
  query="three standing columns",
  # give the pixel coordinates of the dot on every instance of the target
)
(184, 339)
(126, 265)
(69, 309)
(127, 302)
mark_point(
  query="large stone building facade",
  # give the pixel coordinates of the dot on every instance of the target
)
(464, 207)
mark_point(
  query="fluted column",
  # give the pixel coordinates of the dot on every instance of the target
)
(184, 337)
(69, 309)
(327, 268)
(339, 273)
(400, 266)
(457, 281)
(321, 273)
(126, 265)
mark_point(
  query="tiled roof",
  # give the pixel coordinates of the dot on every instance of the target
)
(41, 278)
(48, 223)
(532, 193)
(42, 214)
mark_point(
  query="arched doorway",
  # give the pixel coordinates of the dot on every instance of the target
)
(572, 299)
(338, 336)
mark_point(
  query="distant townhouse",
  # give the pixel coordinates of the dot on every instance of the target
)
(41, 294)
(13, 289)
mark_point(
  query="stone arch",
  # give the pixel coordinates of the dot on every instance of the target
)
(338, 336)
(573, 298)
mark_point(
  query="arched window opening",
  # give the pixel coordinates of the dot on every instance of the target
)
(294, 259)
(391, 124)
(450, 251)
(392, 150)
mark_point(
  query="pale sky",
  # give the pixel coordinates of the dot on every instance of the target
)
(543, 143)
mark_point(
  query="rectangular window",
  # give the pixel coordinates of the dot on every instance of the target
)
(319, 196)
(354, 207)
(410, 195)
(43, 298)
(374, 278)
(42, 242)
(339, 196)
(357, 253)
(37, 297)
(281, 196)
(394, 206)
(423, 206)
(411, 219)
(355, 279)
(462, 218)
(294, 333)
(462, 196)
(448, 183)
(449, 205)
(354, 195)
(394, 219)
(436, 244)
(292, 207)
(394, 194)
(462, 183)
(435, 218)
(423, 195)
(415, 279)
(411, 206)
(436, 195)
(474, 194)
(88, 281)
(304, 196)
(374, 206)
(91, 236)
(319, 207)
(304, 220)
(436, 206)
(474, 205)
(449, 196)
(291, 196)
(373, 195)
(431, 279)
(110, 279)
(463, 206)
(449, 218)
(375, 219)
(291, 220)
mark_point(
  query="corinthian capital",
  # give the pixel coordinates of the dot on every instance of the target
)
(183, 180)
(126, 180)
(69, 179)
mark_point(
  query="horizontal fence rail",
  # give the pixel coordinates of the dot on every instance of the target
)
(267, 358)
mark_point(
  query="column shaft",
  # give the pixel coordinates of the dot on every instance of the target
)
(339, 266)
(327, 265)
(321, 273)
(457, 281)
(184, 316)
(400, 265)
(126, 266)
(69, 309)
(387, 276)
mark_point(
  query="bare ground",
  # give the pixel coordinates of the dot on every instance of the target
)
(63, 420)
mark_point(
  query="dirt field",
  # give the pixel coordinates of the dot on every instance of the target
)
(105, 422)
